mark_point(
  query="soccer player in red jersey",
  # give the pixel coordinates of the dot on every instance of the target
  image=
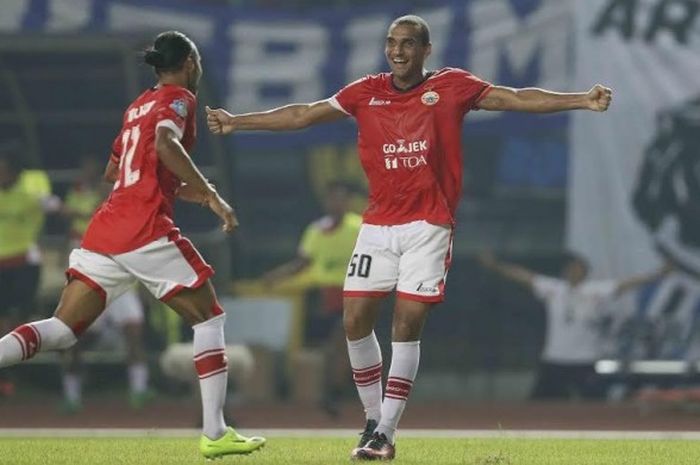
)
(132, 237)
(409, 143)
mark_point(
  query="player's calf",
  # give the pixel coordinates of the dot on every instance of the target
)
(26, 340)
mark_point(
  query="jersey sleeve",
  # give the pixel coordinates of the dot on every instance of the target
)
(545, 287)
(347, 98)
(470, 89)
(173, 111)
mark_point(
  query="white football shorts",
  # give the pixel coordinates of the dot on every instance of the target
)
(411, 258)
(165, 267)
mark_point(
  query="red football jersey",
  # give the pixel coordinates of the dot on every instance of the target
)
(410, 143)
(140, 208)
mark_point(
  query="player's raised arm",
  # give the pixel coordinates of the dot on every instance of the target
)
(513, 272)
(641, 280)
(288, 117)
(535, 100)
(173, 155)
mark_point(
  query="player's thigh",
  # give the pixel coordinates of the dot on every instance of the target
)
(196, 305)
(167, 266)
(94, 281)
(80, 305)
(424, 263)
(373, 267)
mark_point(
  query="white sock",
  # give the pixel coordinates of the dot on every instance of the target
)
(366, 362)
(73, 388)
(26, 340)
(138, 377)
(404, 366)
(211, 365)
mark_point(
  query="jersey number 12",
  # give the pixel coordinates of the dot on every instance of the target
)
(130, 140)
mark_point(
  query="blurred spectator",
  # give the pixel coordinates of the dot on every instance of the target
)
(25, 195)
(324, 252)
(574, 307)
(126, 313)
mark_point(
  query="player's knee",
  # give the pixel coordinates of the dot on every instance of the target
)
(405, 330)
(356, 325)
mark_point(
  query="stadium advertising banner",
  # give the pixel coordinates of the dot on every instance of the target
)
(261, 58)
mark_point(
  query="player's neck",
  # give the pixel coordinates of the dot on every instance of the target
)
(410, 83)
(171, 80)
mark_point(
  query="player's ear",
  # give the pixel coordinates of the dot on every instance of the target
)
(190, 62)
(428, 49)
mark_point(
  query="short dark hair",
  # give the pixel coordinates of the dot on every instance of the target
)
(417, 21)
(169, 51)
(572, 257)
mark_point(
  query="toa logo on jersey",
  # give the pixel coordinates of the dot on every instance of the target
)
(405, 154)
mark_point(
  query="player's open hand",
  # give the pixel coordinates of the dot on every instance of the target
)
(219, 121)
(599, 98)
(224, 211)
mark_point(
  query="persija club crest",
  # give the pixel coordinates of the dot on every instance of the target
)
(430, 98)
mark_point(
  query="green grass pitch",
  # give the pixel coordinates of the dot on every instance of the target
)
(329, 451)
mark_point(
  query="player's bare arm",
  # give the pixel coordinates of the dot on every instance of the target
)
(111, 172)
(191, 194)
(535, 100)
(286, 118)
(513, 272)
(175, 158)
(641, 280)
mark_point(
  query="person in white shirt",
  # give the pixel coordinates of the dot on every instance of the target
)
(573, 306)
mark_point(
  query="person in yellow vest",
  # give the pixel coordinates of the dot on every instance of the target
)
(25, 195)
(125, 313)
(324, 252)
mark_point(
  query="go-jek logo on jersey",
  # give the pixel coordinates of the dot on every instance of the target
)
(405, 154)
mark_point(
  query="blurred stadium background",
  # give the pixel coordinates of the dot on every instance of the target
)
(621, 189)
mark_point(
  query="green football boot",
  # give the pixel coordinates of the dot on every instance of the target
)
(230, 443)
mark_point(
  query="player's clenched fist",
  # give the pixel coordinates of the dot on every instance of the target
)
(599, 98)
(219, 121)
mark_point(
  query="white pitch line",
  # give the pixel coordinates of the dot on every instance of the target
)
(347, 433)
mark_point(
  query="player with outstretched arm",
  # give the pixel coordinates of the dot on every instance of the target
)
(409, 143)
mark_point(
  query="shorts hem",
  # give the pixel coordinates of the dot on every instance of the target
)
(428, 299)
(366, 293)
(201, 279)
(75, 274)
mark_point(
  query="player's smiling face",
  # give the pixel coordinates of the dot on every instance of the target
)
(406, 54)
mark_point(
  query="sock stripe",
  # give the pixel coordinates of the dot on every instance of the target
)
(20, 341)
(369, 383)
(207, 353)
(403, 380)
(362, 370)
(38, 337)
(208, 375)
(211, 364)
(398, 388)
(395, 397)
(368, 376)
(31, 339)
